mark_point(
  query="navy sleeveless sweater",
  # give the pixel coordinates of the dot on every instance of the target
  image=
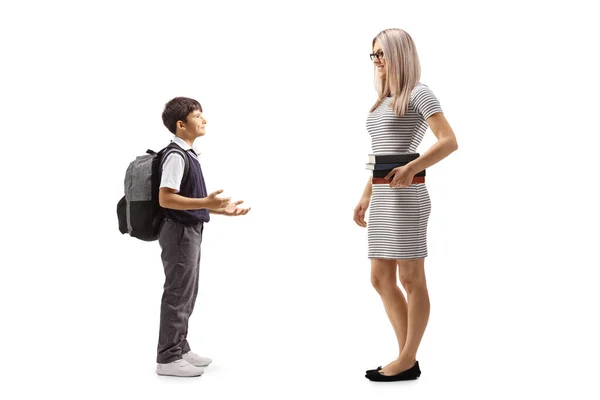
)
(194, 187)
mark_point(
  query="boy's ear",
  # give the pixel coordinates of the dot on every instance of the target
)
(180, 124)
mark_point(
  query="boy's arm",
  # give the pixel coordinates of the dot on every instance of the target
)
(168, 198)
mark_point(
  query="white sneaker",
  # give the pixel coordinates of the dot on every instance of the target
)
(196, 360)
(178, 368)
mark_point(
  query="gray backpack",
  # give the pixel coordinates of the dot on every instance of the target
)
(138, 211)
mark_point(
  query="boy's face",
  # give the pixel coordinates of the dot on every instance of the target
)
(195, 125)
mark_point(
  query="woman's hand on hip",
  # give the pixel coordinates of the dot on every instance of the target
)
(402, 176)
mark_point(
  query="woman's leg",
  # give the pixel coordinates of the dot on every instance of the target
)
(384, 280)
(412, 277)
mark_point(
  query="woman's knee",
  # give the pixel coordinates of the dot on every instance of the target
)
(383, 275)
(412, 275)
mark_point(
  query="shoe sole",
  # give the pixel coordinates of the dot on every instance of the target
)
(179, 376)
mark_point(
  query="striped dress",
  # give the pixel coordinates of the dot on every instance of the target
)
(397, 225)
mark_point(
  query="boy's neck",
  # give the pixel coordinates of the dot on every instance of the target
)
(190, 142)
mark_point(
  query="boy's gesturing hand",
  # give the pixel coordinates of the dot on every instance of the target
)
(233, 210)
(214, 203)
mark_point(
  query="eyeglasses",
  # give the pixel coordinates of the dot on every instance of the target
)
(379, 55)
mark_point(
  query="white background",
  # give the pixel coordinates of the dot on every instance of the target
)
(285, 307)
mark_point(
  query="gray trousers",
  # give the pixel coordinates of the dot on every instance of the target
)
(180, 255)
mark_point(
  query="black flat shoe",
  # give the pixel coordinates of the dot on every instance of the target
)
(410, 374)
(370, 371)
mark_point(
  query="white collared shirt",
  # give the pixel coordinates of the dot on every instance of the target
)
(174, 165)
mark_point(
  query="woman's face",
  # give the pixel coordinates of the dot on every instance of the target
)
(379, 58)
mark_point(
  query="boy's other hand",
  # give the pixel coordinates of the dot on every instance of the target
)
(233, 210)
(214, 203)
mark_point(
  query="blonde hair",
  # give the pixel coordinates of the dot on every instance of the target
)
(402, 69)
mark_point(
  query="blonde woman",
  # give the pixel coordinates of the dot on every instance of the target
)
(400, 204)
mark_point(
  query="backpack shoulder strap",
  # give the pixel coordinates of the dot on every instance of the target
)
(174, 148)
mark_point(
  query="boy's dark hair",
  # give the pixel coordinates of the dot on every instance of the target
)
(178, 109)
